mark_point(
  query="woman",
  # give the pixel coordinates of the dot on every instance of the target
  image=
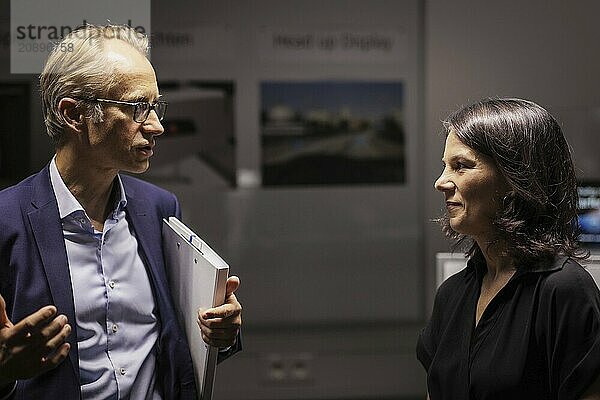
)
(522, 320)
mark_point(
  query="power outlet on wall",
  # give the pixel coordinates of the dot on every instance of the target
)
(288, 368)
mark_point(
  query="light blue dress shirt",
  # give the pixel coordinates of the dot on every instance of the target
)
(117, 324)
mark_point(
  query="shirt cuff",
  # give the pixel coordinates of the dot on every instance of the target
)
(8, 394)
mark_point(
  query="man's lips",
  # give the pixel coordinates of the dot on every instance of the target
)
(452, 204)
(146, 150)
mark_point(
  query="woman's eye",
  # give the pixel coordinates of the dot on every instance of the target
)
(455, 166)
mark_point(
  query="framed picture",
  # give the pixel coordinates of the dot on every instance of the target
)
(332, 132)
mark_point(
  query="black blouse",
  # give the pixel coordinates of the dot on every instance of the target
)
(539, 338)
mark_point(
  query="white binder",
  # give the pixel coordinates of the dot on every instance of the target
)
(197, 277)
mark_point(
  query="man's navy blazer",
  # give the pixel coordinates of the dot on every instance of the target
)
(34, 273)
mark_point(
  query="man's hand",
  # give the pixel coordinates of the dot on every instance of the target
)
(220, 325)
(34, 345)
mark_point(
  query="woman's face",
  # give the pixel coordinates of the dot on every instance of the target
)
(472, 186)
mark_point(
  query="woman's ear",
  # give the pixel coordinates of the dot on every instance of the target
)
(67, 107)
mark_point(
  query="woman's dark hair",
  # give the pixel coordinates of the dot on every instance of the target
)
(538, 216)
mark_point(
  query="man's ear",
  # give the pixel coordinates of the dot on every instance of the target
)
(67, 107)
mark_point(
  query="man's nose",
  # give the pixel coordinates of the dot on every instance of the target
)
(153, 125)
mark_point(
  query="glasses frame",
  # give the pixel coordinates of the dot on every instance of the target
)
(137, 105)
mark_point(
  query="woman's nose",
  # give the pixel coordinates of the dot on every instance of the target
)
(442, 183)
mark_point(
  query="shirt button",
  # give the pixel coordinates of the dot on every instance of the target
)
(111, 284)
(122, 371)
(115, 328)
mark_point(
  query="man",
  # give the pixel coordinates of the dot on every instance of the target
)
(81, 262)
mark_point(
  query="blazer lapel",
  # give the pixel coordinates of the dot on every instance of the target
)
(146, 233)
(47, 231)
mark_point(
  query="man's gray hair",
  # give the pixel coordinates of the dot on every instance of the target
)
(78, 68)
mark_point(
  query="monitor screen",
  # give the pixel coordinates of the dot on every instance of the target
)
(589, 212)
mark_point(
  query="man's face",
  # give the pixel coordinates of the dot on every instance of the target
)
(118, 143)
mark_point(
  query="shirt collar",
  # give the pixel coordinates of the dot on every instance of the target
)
(67, 203)
(477, 265)
(554, 265)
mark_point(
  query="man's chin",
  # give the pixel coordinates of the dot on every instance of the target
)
(137, 168)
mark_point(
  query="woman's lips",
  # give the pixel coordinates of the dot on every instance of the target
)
(453, 204)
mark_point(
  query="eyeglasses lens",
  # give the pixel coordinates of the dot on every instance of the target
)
(142, 110)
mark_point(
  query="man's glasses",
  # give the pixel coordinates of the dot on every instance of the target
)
(141, 109)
